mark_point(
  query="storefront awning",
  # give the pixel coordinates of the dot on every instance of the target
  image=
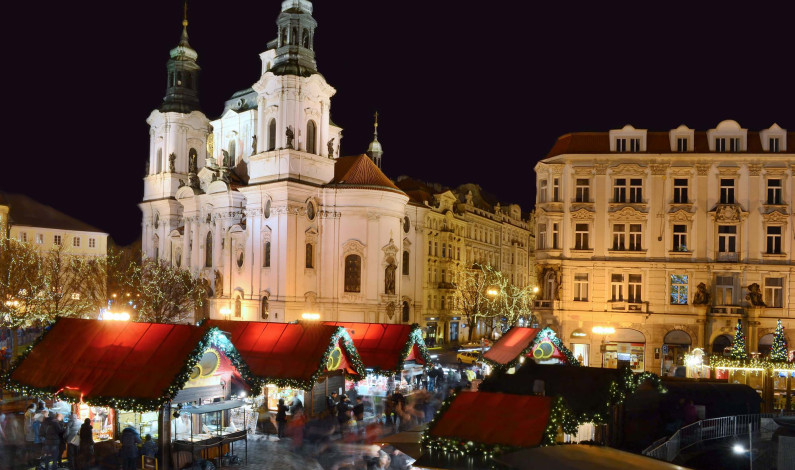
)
(386, 347)
(511, 345)
(518, 342)
(132, 365)
(480, 417)
(292, 354)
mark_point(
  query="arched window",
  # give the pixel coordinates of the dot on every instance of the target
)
(193, 161)
(266, 256)
(405, 312)
(311, 137)
(208, 251)
(353, 273)
(310, 261)
(405, 263)
(238, 308)
(272, 135)
(294, 37)
(156, 246)
(283, 37)
(170, 79)
(159, 165)
(305, 39)
(232, 151)
(188, 81)
(264, 307)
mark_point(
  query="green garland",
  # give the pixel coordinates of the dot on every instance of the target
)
(560, 416)
(415, 337)
(5, 379)
(778, 352)
(547, 334)
(720, 362)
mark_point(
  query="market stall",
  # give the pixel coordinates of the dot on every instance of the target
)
(208, 431)
(309, 360)
(394, 356)
(121, 374)
(518, 343)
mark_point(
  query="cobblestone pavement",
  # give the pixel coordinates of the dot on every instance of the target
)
(264, 453)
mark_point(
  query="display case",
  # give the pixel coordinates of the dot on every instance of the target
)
(144, 423)
(102, 418)
(274, 393)
(209, 431)
(783, 385)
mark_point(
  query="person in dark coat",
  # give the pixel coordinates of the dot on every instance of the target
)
(281, 418)
(51, 431)
(358, 414)
(149, 449)
(331, 404)
(72, 429)
(86, 449)
(343, 412)
(129, 447)
(296, 405)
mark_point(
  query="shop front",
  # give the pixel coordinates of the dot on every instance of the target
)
(676, 346)
(579, 343)
(431, 331)
(625, 347)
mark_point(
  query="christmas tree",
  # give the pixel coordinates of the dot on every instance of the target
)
(779, 351)
(738, 348)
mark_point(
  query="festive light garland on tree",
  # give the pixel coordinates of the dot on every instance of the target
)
(547, 334)
(778, 352)
(560, 417)
(739, 351)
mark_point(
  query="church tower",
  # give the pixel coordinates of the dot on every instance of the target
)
(374, 151)
(293, 104)
(177, 146)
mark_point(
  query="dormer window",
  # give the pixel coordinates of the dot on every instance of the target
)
(732, 142)
(727, 136)
(774, 139)
(681, 144)
(621, 145)
(627, 139)
(774, 145)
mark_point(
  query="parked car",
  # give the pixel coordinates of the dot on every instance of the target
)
(468, 357)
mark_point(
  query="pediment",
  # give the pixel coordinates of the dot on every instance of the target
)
(353, 246)
(680, 215)
(582, 214)
(628, 213)
(776, 217)
(629, 169)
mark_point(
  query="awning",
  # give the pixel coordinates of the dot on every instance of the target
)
(539, 344)
(213, 407)
(386, 347)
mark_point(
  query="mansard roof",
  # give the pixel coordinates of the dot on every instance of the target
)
(25, 211)
(656, 142)
(361, 172)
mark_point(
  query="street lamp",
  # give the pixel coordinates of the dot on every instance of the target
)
(226, 312)
(603, 331)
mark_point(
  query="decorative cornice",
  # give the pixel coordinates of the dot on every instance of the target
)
(703, 168)
(582, 214)
(628, 169)
(728, 170)
(775, 217)
(658, 169)
(754, 169)
(628, 213)
(583, 170)
(600, 168)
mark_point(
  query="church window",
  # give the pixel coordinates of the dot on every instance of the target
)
(310, 262)
(311, 137)
(353, 273)
(405, 263)
(264, 309)
(283, 37)
(188, 81)
(272, 135)
(267, 212)
(238, 308)
(159, 166)
(294, 37)
(155, 244)
(232, 152)
(305, 40)
(208, 251)
(405, 312)
(266, 257)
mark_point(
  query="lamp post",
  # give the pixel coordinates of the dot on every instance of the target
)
(603, 331)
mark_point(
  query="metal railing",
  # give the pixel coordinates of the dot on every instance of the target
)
(705, 430)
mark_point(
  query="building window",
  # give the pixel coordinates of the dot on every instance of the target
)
(680, 191)
(774, 191)
(555, 236)
(582, 190)
(272, 135)
(634, 145)
(311, 137)
(773, 240)
(542, 191)
(435, 248)
(724, 290)
(430, 248)
(617, 287)
(620, 190)
(681, 144)
(430, 303)
(23, 237)
(720, 145)
(310, 259)
(774, 289)
(75, 241)
(556, 190)
(266, 255)
(542, 237)
(75, 296)
(405, 312)
(232, 153)
(680, 238)
(208, 251)
(40, 238)
(581, 236)
(635, 286)
(405, 263)
(92, 242)
(727, 191)
(678, 289)
(734, 144)
(635, 236)
(443, 304)
(636, 190)
(581, 287)
(353, 273)
(727, 239)
(621, 145)
(774, 144)
(238, 308)
(444, 250)
(264, 309)
(56, 240)
(619, 237)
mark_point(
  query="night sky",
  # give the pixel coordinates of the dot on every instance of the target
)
(466, 91)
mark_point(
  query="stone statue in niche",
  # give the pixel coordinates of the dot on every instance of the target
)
(290, 136)
(227, 158)
(219, 283)
(497, 208)
(702, 295)
(193, 164)
(468, 197)
(172, 163)
(389, 278)
(754, 296)
(331, 148)
(253, 145)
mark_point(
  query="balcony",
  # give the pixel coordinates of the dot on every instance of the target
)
(629, 307)
(446, 285)
(726, 310)
(541, 304)
(726, 257)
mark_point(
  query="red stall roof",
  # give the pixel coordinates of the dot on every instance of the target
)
(480, 417)
(385, 347)
(289, 353)
(519, 341)
(108, 361)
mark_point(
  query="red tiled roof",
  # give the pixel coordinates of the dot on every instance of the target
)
(656, 142)
(480, 417)
(511, 345)
(109, 359)
(274, 351)
(360, 171)
(381, 345)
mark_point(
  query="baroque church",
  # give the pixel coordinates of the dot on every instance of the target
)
(261, 205)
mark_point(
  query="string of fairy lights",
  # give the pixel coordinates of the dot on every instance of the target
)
(545, 335)
(739, 358)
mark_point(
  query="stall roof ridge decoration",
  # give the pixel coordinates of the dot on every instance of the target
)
(519, 342)
(290, 354)
(385, 347)
(125, 365)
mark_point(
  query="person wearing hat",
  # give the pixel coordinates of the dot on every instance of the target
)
(129, 447)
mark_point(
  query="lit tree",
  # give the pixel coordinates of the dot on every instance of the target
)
(163, 293)
(739, 351)
(472, 300)
(22, 287)
(779, 351)
(507, 301)
(74, 284)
